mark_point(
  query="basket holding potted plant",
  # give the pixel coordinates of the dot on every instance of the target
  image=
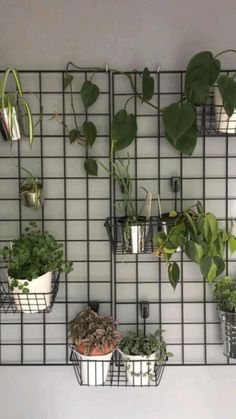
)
(225, 295)
(31, 260)
(94, 338)
(142, 354)
(31, 191)
(203, 242)
(15, 112)
(131, 231)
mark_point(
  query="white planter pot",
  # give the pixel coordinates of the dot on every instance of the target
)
(140, 369)
(39, 297)
(222, 122)
(94, 369)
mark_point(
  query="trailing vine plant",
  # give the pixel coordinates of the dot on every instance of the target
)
(179, 118)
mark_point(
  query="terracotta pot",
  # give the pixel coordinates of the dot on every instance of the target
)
(94, 351)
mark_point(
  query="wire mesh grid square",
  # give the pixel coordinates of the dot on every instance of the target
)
(116, 371)
(12, 301)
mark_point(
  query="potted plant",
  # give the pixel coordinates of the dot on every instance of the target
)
(132, 231)
(31, 191)
(142, 354)
(31, 260)
(94, 338)
(225, 295)
(15, 111)
(203, 242)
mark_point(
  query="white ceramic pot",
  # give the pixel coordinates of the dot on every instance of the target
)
(94, 369)
(39, 296)
(140, 369)
(222, 122)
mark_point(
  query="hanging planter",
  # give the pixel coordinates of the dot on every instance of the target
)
(15, 112)
(94, 339)
(225, 295)
(31, 260)
(223, 123)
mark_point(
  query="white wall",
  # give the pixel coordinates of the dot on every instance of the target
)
(124, 33)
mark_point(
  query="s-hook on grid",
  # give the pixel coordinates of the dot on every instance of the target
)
(76, 207)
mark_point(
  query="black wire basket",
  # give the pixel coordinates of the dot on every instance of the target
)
(115, 371)
(12, 302)
(212, 120)
(135, 238)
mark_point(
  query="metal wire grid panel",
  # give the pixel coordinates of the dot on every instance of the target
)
(76, 207)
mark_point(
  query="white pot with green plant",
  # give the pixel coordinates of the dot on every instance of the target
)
(31, 260)
(16, 119)
(132, 229)
(141, 355)
(31, 191)
(94, 338)
(225, 295)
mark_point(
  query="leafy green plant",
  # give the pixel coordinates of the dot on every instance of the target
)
(225, 294)
(7, 102)
(141, 345)
(201, 239)
(32, 185)
(202, 73)
(90, 331)
(33, 255)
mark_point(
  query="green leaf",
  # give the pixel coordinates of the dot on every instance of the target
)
(178, 119)
(91, 167)
(90, 132)
(211, 267)
(232, 245)
(187, 143)
(194, 251)
(147, 85)
(89, 93)
(169, 247)
(210, 227)
(201, 73)
(124, 129)
(174, 273)
(74, 136)
(68, 78)
(227, 89)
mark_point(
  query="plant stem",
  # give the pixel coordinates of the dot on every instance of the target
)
(225, 51)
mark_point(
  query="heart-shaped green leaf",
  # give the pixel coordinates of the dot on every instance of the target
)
(173, 272)
(147, 85)
(89, 93)
(90, 132)
(68, 78)
(211, 267)
(74, 136)
(232, 245)
(124, 129)
(227, 89)
(202, 72)
(91, 167)
(178, 119)
(187, 143)
(194, 251)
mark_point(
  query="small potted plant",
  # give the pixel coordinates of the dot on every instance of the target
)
(131, 230)
(15, 111)
(31, 260)
(31, 192)
(94, 338)
(142, 354)
(198, 234)
(225, 295)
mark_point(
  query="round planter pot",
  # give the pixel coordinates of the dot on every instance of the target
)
(222, 122)
(16, 132)
(228, 331)
(39, 296)
(134, 236)
(30, 198)
(94, 368)
(140, 369)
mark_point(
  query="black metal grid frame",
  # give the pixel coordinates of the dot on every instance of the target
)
(119, 282)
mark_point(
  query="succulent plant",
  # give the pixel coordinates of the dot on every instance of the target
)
(90, 331)
(225, 294)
